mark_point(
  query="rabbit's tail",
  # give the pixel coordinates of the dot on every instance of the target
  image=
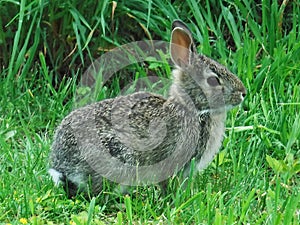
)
(71, 188)
(57, 176)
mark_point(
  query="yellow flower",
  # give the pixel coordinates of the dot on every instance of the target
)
(72, 223)
(23, 221)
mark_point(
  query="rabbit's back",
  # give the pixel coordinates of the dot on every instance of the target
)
(131, 128)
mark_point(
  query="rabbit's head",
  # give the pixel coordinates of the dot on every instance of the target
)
(210, 85)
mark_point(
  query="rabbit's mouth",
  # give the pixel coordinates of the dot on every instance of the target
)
(235, 99)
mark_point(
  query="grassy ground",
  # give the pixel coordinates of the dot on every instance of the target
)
(256, 177)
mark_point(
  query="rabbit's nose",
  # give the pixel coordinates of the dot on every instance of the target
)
(244, 93)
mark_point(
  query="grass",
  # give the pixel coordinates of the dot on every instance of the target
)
(46, 45)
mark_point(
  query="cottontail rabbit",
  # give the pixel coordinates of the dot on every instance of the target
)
(144, 136)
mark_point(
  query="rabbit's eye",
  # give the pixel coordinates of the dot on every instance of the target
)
(213, 81)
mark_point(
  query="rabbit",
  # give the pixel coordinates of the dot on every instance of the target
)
(144, 129)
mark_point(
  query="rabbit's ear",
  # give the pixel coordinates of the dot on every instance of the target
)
(181, 44)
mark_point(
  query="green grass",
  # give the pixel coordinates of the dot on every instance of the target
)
(46, 45)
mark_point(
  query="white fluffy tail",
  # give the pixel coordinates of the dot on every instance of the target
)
(56, 176)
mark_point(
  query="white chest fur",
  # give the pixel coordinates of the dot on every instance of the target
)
(215, 140)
